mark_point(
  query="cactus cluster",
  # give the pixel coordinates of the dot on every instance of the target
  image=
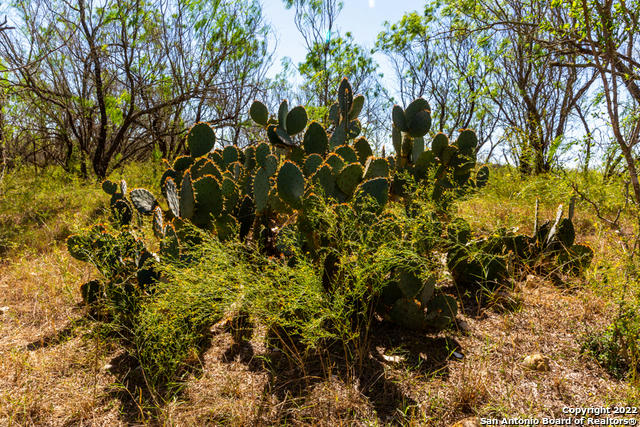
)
(450, 166)
(483, 262)
(268, 191)
(117, 255)
(414, 303)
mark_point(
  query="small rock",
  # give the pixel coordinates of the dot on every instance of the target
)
(467, 422)
(107, 367)
(537, 362)
(4, 310)
(393, 359)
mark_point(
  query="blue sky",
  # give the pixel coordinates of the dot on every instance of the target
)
(363, 18)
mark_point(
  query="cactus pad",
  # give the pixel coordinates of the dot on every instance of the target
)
(200, 139)
(143, 200)
(315, 139)
(259, 113)
(296, 120)
(290, 184)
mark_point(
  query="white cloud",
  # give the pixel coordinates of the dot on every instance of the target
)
(372, 3)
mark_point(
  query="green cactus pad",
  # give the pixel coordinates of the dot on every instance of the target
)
(325, 177)
(410, 284)
(230, 155)
(418, 123)
(576, 260)
(143, 200)
(363, 149)
(315, 139)
(408, 314)
(312, 164)
(200, 139)
(399, 118)
(338, 137)
(392, 162)
(439, 144)
(566, 233)
(417, 149)
(376, 167)
(282, 115)
(122, 212)
(467, 142)
(250, 157)
(259, 113)
(428, 289)
(441, 311)
(262, 151)
(396, 137)
(187, 200)
(279, 137)
(171, 194)
(334, 113)
(335, 161)
(296, 120)
(169, 246)
(347, 153)
(182, 163)
(216, 157)
(206, 168)
(79, 246)
(236, 170)
(345, 96)
(208, 196)
(290, 184)
(482, 177)
(424, 163)
(109, 187)
(158, 222)
(349, 178)
(356, 107)
(448, 155)
(355, 127)
(261, 188)
(271, 165)
(90, 291)
(228, 186)
(246, 216)
(297, 155)
(378, 188)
